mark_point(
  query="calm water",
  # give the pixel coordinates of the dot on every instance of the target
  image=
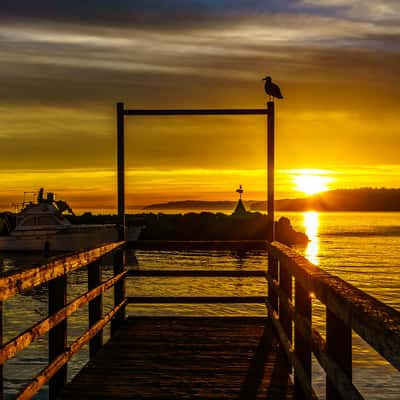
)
(362, 248)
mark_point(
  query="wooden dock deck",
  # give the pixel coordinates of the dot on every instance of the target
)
(187, 358)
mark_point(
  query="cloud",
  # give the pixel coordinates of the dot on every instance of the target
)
(161, 14)
(378, 10)
(67, 61)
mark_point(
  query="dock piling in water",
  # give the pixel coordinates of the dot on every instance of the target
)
(57, 300)
(95, 306)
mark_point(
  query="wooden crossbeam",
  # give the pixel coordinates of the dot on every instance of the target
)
(197, 273)
(257, 111)
(196, 299)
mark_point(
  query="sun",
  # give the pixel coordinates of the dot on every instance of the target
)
(311, 184)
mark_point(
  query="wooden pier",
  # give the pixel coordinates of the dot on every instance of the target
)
(213, 358)
(187, 358)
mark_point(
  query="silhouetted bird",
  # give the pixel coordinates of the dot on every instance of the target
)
(272, 89)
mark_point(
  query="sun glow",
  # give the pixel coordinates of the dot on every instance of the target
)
(311, 184)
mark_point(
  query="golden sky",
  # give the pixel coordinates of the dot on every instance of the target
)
(64, 65)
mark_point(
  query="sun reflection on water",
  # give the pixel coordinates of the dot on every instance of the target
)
(311, 225)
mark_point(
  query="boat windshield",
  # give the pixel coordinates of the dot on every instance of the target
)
(41, 220)
(29, 221)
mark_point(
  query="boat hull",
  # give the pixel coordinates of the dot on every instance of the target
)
(67, 240)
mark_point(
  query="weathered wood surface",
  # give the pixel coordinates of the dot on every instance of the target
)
(186, 358)
(374, 321)
(303, 377)
(26, 279)
(13, 346)
(59, 362)
(333, 370)
(199, 244)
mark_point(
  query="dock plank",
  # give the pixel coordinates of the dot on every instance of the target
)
(186, 358)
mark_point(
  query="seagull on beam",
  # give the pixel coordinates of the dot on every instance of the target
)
(272, 89)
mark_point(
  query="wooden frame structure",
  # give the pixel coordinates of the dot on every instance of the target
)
(347, 309)
(269, 111)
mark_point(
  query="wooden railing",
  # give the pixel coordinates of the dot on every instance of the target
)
(347, 309)
(55, 274)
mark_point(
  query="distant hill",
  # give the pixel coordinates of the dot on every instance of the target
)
(365, 199)
(193, 205)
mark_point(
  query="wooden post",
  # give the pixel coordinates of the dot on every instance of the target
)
(286, 284)
(271, 170)
(1, 343)
(119, 258)
(57, 298)
(339, 348)
(95, 306)
(273, 268)
(302, 343)
(119, 291)
(121, 170)
(272, 263)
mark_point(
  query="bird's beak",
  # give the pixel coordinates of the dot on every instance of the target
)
(263, 79)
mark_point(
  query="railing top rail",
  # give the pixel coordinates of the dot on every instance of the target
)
(373, 320)
(22, 280)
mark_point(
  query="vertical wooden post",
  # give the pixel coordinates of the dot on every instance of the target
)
(1, 343)
(271, 170)
(272, 263)
(57, 298)
(95, 306)
(302, 341)
(273, 268)
(339, 348)
(285, 283)
(121, 170)
(119, 291)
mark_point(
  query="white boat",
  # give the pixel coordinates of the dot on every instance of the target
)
(41, 226)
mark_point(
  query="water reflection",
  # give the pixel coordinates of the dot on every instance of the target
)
(239, 256)
(311, 225)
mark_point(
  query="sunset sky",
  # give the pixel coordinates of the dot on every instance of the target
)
(64, 65)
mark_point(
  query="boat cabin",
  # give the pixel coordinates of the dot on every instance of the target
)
(39, 216)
